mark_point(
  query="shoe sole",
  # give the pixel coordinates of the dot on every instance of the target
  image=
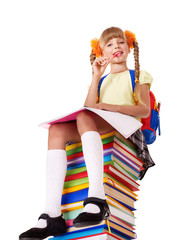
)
(44, 237)
(30, 238)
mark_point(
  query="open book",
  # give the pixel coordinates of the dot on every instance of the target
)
(124, 124)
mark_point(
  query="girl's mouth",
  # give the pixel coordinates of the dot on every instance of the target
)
(117, 54)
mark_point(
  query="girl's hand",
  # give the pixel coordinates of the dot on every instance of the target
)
(105, 106)
(100, 65)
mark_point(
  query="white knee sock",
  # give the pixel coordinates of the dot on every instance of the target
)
(93, 155)
(56, 167)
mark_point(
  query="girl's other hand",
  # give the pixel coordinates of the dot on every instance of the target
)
(100, 65)
(105, 106)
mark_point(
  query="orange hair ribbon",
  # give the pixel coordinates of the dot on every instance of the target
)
(96, 49)
(130, 38)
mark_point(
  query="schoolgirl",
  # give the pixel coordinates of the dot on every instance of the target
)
(116, 95)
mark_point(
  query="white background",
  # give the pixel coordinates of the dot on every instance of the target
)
(45, 71)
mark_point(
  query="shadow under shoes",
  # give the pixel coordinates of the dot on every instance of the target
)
(85, 219)
(55, 226)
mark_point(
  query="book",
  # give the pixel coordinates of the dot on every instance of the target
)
(101, 236)
(123, 123)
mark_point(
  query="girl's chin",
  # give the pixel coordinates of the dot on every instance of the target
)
(118, 60)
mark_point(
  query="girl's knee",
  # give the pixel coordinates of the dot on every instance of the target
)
(59, 131)
(56, 139)
(86, 122)
(55, 129)
(64, 132)
(84, 117)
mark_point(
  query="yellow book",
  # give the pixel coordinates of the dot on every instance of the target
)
(75, 188)
(79, 144)
(71, 206)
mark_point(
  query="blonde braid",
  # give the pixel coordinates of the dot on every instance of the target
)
(92, 59)
(136, 93)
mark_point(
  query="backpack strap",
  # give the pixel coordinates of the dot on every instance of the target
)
(132, 73)
(100, 82)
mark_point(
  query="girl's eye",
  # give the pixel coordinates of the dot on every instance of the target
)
(109, 45)
(122, 42)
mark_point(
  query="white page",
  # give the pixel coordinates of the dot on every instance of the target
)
(124, 124)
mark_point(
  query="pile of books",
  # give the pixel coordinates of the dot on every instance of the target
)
(121, 172)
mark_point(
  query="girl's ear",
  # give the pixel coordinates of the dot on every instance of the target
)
(129, 50)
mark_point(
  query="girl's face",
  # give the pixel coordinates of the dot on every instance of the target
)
(116, 46)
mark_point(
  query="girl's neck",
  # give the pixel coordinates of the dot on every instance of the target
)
(117, 68)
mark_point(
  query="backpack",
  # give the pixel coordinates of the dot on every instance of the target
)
(152, 122)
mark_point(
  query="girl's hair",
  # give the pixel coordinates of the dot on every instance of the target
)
(109, 33)
(115, 32)
(136, 93)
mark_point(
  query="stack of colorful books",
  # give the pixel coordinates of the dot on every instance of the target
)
(121, 172)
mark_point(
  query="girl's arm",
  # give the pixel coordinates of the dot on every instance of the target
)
(91, 98)
(141, 110)
(98, 67)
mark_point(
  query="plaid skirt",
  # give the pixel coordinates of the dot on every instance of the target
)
(138, 140)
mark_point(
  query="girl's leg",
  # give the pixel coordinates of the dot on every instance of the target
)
(59, 135)
(89, 127)
(56, 166)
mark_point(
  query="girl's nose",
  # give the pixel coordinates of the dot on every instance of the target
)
(116, 46)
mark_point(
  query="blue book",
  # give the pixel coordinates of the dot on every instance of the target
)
(81, 233)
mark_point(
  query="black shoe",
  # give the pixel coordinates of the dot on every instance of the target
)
(55, 226)
(87, 219)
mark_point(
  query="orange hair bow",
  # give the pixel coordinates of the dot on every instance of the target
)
(96, 49)
(130, 38)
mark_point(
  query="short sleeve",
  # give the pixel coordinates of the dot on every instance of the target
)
(145, 77)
